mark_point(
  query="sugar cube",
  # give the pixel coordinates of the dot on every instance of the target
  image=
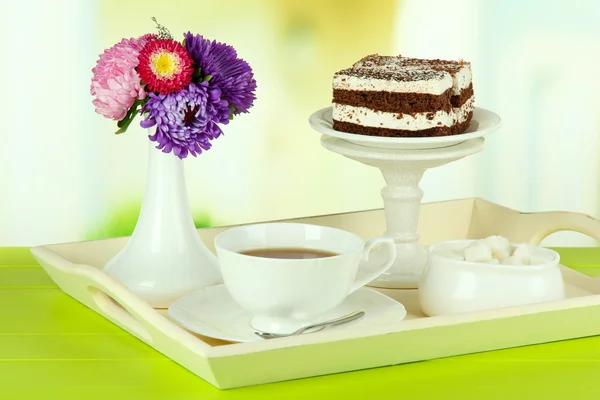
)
(497, 244)
(524, 252)
(501, 255)
(478, 252)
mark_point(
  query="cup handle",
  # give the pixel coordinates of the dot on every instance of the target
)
(366, 273)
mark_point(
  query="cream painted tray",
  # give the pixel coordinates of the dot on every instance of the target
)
(75, 268)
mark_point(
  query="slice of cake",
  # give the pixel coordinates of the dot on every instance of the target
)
(403, 97)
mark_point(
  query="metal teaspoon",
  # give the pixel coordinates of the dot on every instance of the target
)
(313, 327)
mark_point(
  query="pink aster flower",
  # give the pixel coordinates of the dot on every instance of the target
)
(165, 66)
(116, 84)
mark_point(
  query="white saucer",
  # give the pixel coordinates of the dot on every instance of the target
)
(212, 312)
(483, 123)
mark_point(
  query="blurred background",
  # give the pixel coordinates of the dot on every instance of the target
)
(66, 177)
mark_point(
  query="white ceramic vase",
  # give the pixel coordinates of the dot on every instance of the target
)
(165, 258)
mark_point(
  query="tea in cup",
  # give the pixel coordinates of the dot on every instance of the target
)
(286, 274)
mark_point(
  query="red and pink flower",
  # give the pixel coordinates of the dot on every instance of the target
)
(165, 66)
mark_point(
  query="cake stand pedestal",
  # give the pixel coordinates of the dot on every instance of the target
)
(402, 171)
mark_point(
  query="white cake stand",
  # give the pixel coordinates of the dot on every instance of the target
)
(403, 161)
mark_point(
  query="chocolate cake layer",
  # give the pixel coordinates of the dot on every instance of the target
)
(401, 103)
(462, 98)
(372, 131)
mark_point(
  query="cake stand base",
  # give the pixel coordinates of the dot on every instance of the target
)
(402, 171)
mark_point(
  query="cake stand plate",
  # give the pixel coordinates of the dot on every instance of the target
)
(483, 123)
(402, 171)
(403, 161)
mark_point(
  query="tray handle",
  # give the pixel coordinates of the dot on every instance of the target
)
(116, 311)
(118, 304)
(111, 299)
(547, 223)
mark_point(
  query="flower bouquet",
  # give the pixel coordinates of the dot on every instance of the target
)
(185, 91)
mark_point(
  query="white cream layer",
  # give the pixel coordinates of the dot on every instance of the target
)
(419, 121)
(460, 81)
(347, 82)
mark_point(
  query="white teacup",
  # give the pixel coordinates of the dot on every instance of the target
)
(285, 294)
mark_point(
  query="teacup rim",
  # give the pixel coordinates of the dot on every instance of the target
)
(550, 264)
(358, 248)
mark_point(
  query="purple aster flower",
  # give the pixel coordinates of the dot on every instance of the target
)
(232, 75)
(186, 121)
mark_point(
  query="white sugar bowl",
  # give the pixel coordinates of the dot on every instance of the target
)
(450, 285)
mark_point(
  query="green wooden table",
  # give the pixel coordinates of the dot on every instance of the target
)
(52, 347)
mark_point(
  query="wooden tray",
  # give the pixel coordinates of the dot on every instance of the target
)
(75, 267)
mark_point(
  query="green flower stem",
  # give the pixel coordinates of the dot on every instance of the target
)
(130, 116)
(197, 75)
